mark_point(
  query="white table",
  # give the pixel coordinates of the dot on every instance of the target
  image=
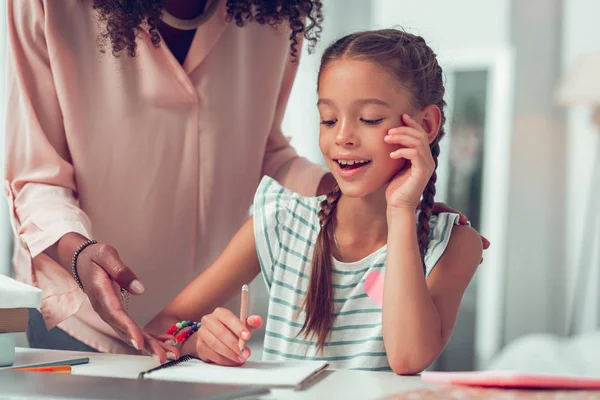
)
(334, 385)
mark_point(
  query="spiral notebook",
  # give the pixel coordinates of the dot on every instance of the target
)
(264, 373)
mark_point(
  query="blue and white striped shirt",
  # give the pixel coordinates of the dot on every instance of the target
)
(285, 229)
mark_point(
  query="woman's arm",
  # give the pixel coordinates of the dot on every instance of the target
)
(418, 314)
(237, 265)
(42, 193)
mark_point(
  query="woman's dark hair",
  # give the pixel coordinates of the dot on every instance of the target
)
(414, 65)
(123, 19)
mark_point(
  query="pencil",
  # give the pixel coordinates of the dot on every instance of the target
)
(243, 312)
(60, 369)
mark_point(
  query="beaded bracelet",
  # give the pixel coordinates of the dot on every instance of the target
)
(74, 261)
(185, 329)
(124, 293)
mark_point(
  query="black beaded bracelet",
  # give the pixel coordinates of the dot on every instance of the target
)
(74, 261)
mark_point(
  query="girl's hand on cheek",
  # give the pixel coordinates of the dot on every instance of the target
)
(406, 187)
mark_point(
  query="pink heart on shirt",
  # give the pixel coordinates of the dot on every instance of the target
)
(374, 287)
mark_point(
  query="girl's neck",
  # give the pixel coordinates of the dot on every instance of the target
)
(360, 226)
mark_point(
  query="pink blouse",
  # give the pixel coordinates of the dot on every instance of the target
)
(159, 160)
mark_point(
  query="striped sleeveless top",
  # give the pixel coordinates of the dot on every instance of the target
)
(285, 229)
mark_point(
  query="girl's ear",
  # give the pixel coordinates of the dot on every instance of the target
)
(431, 119)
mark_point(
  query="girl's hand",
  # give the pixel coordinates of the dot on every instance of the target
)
(218, 337)
(407, 186)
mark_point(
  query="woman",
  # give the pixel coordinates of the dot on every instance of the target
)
(153, 147)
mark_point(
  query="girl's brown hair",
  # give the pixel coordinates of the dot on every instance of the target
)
(414, 64)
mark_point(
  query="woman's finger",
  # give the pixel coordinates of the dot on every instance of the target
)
(107, 303)
(217, 343)
(171, 352)
(439, 208)
(108, 259)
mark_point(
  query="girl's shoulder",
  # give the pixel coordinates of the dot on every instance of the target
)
(284, 222)
(271, 195)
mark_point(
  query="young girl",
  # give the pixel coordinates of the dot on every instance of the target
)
(351, 275)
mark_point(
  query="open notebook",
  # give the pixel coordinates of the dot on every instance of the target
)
(512, 379)
(271, 374)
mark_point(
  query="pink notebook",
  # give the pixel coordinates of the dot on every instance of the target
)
(512, 379)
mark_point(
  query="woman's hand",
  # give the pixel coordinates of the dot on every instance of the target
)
(407, 186)
(217, 340)
(102, 275)
(439, 208)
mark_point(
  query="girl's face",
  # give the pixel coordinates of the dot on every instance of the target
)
(359, 102)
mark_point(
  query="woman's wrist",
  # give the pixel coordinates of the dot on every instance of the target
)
(63, 250)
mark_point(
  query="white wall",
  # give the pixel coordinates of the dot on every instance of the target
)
(535, 286)
(448, 26)
(580, 36)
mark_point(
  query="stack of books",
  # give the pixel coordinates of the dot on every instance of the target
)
(16, 299)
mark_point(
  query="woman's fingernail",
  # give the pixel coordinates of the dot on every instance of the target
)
(137, 286)
(245, 335)
(171, 356)
(135, 344)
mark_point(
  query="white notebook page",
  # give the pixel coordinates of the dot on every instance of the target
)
(272, 374)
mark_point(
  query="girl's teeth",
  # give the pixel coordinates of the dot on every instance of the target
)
(351, 162)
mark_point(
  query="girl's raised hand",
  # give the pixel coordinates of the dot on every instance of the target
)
(406, 187)
(218, 337)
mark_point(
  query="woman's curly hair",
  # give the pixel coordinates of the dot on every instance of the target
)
(123, 19)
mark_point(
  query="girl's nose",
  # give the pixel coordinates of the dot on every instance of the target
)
(346, 135)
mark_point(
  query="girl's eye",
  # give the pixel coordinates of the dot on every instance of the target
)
(328, 122)
(372, 121)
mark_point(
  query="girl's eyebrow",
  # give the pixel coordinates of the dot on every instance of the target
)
(375, 101)
(360, 102)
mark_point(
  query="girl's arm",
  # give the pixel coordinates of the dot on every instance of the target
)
(237, 265)
(418, 314)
